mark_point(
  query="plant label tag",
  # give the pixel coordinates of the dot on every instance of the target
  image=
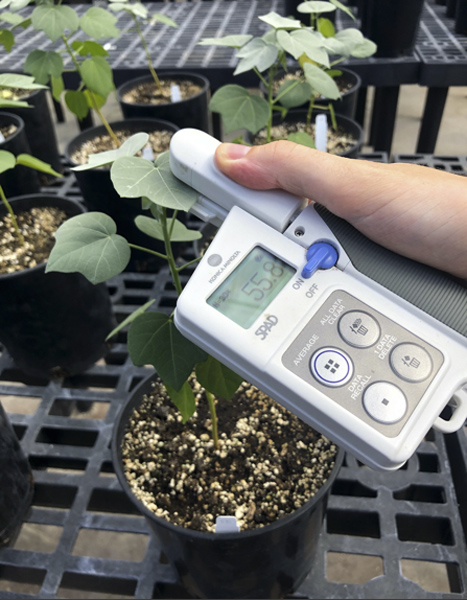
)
(365, 346)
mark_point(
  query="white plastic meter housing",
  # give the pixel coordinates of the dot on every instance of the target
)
(279, 299)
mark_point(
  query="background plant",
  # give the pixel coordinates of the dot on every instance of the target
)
(91, 245)
(8, 160)
(61, 23)
(287, 43)
(140, 15)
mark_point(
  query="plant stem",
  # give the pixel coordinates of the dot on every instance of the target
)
(169, 252)
(91, 95)
(148, 251)
(12, 215)
(148, 55)
(188, 264)
(212, 410)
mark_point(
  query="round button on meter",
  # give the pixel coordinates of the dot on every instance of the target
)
(384, 402)
(411, 362)
(359, 329)
(331, 367)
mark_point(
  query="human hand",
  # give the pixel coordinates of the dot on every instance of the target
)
(416, 211)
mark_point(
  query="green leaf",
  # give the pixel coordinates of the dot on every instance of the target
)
(129, 147)
(15, 20)
(300, 137)
(99, 23)
(153, 339)
(77, 103)
(97, 75)
(18, 4)
(240, 109)
(304, 42)
(344, 8)
(94, 99)
(43, 65)
(326, 27)
(13, 104)
(364, 50)
(184, 400)
(293, 93)
(256, 54)
(320, 82)
(153, 228)
(231, 41)
(35, 163)
(83, 48)
(136, 177)
(161, 18)
(57, 87)
(7, 39)
(54, 20)
(278, 22)
(24, 82)
(136, 313)
(7, 161)
(217, 378)
(89, 244)
(315, 7)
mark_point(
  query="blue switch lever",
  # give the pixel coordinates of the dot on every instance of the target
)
(319, 256)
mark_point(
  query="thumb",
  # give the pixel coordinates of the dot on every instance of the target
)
(302, 171)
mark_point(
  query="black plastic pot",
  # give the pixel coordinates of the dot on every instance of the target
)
(192, 112)
(16, 483)
(347, 104)
(451, 6)
(392, 25)
(350, 126)
(53, 324)
(460, 25)
(40, 132)
(99, 193)
(264, 563)
(20, 180)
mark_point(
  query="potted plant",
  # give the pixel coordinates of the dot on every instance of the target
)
(185, 466)
(287, 40)
(41, 317)
(177, 96)
(95, 82)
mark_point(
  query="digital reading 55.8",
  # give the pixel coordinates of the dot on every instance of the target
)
(251, 287)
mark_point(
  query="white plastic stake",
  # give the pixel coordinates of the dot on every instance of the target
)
(227, 525)
(175, 94)
(2, 137)
(147, 153)
(321, 132)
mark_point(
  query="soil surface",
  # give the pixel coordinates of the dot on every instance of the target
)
(269, 463)
(149, 93)
(338, 141)
(158, 141)
(37, 227)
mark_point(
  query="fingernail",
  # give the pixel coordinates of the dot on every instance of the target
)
(235, 151)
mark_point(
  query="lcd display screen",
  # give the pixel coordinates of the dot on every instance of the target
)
(251, 287)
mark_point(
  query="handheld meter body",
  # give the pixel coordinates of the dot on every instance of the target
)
(279, 299)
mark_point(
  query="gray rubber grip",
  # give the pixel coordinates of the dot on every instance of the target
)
(432, 291)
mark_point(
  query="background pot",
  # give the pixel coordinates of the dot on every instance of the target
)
(40, 132)
(16, 483)
(192, 112)
(53, 324)
(99, 193)
(392, 25)
(263, 563)
(20, 180)
(348, 125)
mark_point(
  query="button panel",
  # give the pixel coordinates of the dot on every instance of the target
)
(364, 361)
